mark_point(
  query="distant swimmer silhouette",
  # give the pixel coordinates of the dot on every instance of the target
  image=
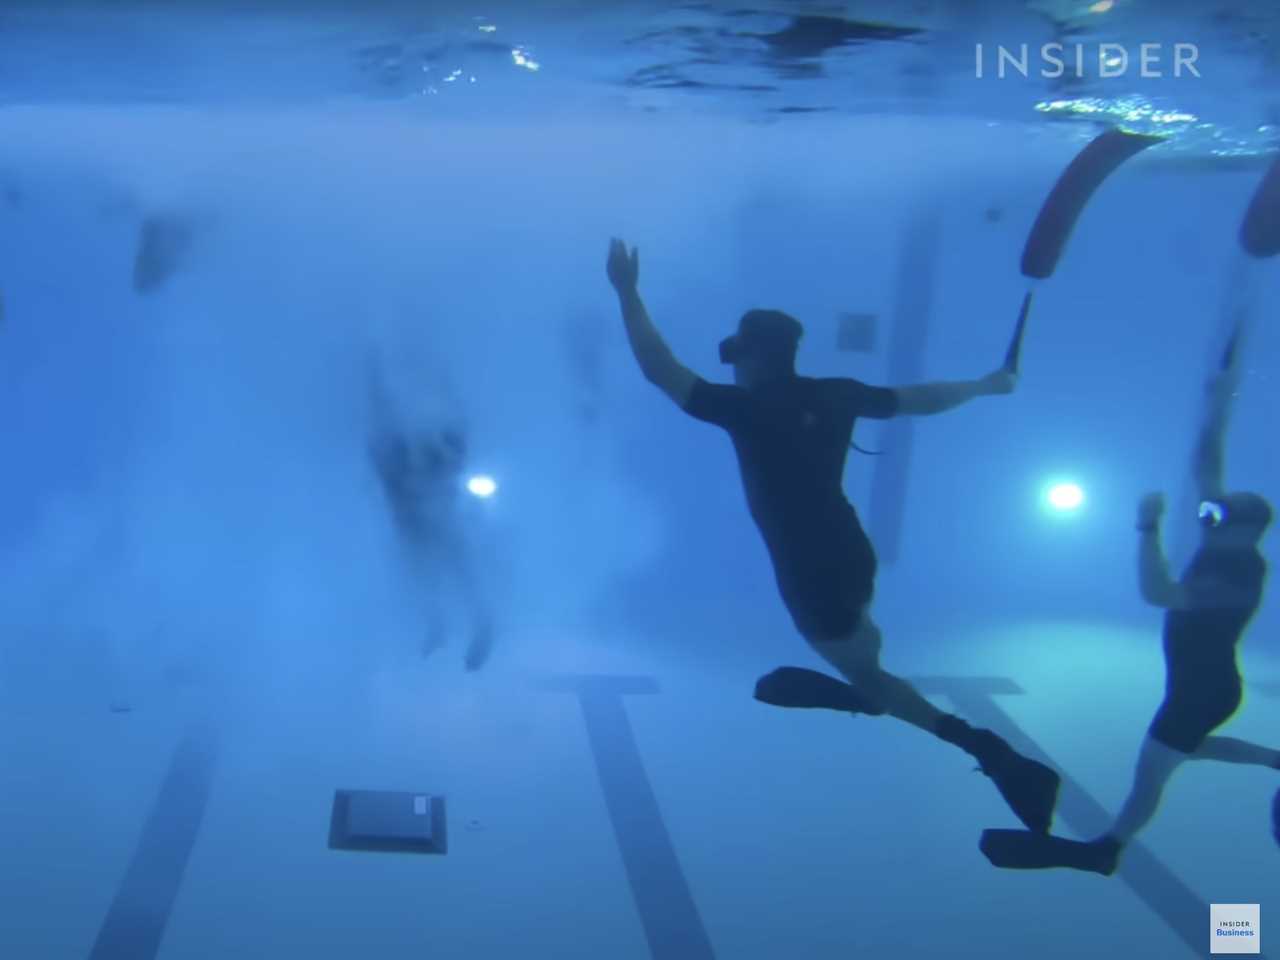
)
(1208, 610)
(422, 470)
(791, 435)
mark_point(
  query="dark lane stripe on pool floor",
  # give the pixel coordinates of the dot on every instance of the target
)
(672, 923)
(135, 923)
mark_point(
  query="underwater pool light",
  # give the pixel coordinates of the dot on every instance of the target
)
(482, 485)
(1065, 497)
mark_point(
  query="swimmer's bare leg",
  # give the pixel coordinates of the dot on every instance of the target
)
(1156, 766)
(477, 609)
(1157, 763)
(857, 657)
(481, 643)
(1231, 750)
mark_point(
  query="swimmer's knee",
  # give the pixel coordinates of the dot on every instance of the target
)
(868, 678)
(857, 662)
(859, 666)
(868, 639)
(864, 652)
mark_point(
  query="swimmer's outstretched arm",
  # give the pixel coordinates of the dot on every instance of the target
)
(926, 399)
(1208, 460)
(658, 364)
(1161, 590)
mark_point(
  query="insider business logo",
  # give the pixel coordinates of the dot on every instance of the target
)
(1235, 928)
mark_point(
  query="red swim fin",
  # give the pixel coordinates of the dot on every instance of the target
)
(1069, 195)
(1260, 231)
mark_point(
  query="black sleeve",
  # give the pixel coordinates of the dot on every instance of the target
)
(862, 400)
(717, 403)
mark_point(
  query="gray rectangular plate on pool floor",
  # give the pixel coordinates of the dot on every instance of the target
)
(387, 821)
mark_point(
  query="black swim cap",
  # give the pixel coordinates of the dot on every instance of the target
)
(1248, 509)
(763, 333)
(1237, 510)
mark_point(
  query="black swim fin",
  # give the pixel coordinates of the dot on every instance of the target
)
(809, 689)
(1028, 786)
(1024, 850)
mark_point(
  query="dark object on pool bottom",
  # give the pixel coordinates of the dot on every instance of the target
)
(387, 821)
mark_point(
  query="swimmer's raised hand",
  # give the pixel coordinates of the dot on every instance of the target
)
(623, 268)
(1150, 509)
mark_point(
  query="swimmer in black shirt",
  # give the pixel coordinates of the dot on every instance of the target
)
(791, 435)
(1207, 612)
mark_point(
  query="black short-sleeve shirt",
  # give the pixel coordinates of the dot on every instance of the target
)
(792, 438)
(1201, 636)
